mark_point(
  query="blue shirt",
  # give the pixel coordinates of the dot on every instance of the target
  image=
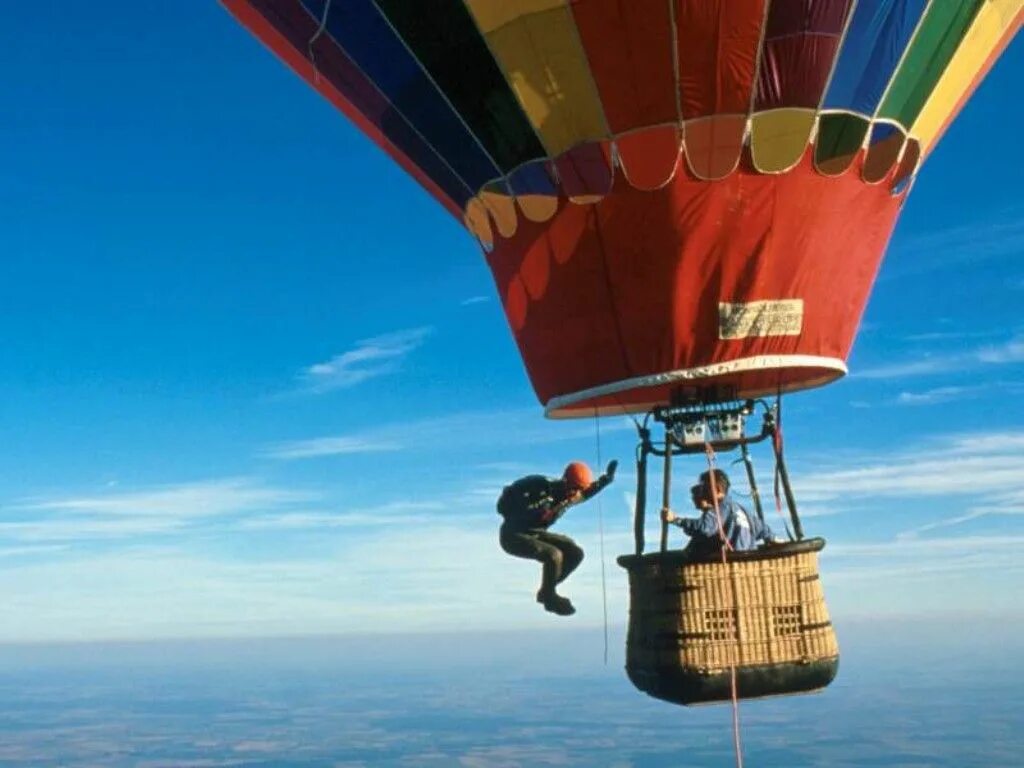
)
(742, 529)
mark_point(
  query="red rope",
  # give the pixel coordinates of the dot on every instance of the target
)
(727, 546)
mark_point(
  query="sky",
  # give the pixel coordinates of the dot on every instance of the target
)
(256, 382)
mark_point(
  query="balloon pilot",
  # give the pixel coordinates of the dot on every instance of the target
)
(742, 531)
(533, 504)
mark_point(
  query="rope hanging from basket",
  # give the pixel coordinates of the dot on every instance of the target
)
(600, 532)
(727, 547)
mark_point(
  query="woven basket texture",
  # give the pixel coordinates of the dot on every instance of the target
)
(709, 617)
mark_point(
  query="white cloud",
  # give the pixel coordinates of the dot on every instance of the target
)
(457, 431)
(148, 512)
(984, 473)
(412, 566)
(925, 475)
(1002, 235)
(405, 578)
(1010, 352)
(938, 524)
(329, 446)
(1007, 353)
(935, 396)
(920, 549)
(923, 367)
(369, 359)
(986, 444)
(509, 468)
(186, 500)
(948, 335)
(88, 529)
(1011, 499)
(383, 515)
(475, 300)
(976, 466)
(31, 549)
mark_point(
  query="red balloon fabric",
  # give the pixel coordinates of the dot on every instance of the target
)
(747, 286)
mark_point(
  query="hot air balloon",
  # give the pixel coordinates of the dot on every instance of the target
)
(684, 204)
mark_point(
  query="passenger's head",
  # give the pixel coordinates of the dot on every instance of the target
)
(698, 496)
(721, 486)
(577, 476)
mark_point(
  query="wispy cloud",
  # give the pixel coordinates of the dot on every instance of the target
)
(382, 515)
(87, 529)
(948, 335)
(505, 467)
(923, 367)
(329, 446)
(186, 500)
(1002, 235)
(417, 577)
(147, 512)
(936, 396)
(32, 549)
(918, 547)
(471, 429)
(960, 564)
(985, 472)
(940, 474)
(1009, 352)
(475, 300)
(369, 359)
(948, 522)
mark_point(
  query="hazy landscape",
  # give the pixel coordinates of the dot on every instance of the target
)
(924, 693)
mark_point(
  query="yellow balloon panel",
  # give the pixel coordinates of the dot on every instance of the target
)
(537, 46)
(491, 15)
(478, 222)
(778, 138)
(538, 208)
(502, 209)
(994, 21)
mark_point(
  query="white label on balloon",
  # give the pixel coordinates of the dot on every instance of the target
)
(784, 317)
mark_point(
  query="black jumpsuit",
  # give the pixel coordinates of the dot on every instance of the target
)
(530, 506)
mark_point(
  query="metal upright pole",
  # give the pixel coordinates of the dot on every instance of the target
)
(755, 494)
(641, 490)
(780, 467)
(666, 487)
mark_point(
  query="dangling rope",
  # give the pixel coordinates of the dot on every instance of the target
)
(727, 547)
(316, 36)
(600, 530)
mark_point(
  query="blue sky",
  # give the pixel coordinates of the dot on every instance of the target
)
(255, 381)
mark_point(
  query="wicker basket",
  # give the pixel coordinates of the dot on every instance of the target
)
(763, 613)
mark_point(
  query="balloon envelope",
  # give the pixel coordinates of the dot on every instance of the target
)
(674, 195)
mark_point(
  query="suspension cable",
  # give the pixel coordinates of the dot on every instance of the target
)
(727, 547)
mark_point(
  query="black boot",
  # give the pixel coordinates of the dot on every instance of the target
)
(556, 604)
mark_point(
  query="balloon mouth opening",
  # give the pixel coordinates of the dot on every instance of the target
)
(745, 378)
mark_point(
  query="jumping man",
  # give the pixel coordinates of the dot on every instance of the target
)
(530, 506)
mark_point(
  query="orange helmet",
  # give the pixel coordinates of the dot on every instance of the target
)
(578, 475)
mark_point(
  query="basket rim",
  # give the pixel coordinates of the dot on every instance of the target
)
(676, 557)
